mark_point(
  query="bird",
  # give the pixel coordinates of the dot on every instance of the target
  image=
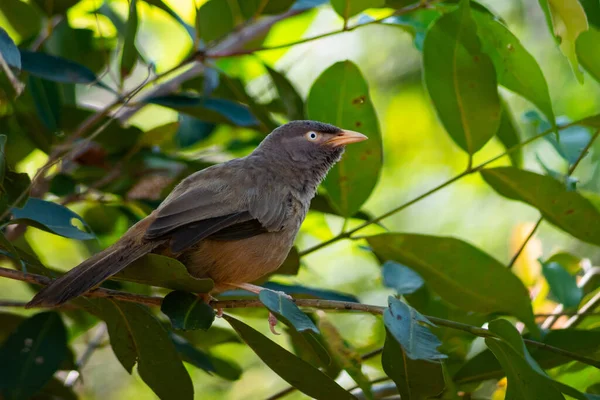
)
(233, 222)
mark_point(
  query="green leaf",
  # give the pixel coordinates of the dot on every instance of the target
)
(187, 312)
(58, 69)
(563, 286)
(50, 217)
(136, 336)
(508, 134)
(417, 23)
(31, 355)
(47, 100)
(55, 6)
(293, 103)
(460, 273)
(568, 210)
(295, 371)
(192, 130)
(401, 278)
(311, 348)
(516, 69)
(310, 292)
(22, 17)
(163, 271)
(484, 366)
(8, 323)
(525, 379)
(592, 11)
(587, 54)
(349, 8)
(160, 4)
(208, 109)
(129, 55)
(3, 162)
(415, 379)
(287, 310)
(409, 328)
(344, 354)
(320, 203)
(14, 184)
(214, 20)
(566, 20)
(205, 361)
(461, 80)
(291, 264)
(8, 246)
(9, 51)
(568, 261)
(340, 96)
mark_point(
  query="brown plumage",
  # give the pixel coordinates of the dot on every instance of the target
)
(233, 222)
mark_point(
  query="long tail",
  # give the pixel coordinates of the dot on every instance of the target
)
(96, 269)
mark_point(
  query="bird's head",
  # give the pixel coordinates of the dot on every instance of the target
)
(310, 143)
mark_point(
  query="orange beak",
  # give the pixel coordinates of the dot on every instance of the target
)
(346, 137)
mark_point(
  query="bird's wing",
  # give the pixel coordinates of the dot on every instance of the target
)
(220, 203)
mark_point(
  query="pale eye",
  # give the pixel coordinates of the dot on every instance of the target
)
(312, 136)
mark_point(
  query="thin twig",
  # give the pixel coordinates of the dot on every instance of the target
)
(74, 375)
(524, 244)
(17, 85)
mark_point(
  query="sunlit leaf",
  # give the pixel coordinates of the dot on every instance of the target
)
(563, 286)
(460, 273)
(516, 69)
(586, 46)
(208, 109)
(295, 371)
(401, 278)
(410, 329)
(162, 271)
(31, 355)
(22, 17)
(9, 51)
(129, 54)
(566, 20)
(294, 105)
(136, 336)
(50, 217)
(415, 379)
(287, 311)
(461, 80)
(187, 312)
(349, 8)
(568, 210)
(161, 4)
(340, 96)
(526, 380)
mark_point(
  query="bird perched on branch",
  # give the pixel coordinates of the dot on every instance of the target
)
(233, 222)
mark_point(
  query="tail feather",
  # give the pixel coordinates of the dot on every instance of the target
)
(90, 273)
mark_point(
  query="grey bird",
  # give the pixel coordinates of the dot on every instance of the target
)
(233, 222)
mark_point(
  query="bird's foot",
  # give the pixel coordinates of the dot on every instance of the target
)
(208, 298)
(273, 323)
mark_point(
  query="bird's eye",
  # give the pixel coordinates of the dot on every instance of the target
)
(312, 136)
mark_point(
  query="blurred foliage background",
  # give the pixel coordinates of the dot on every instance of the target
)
(418, 154)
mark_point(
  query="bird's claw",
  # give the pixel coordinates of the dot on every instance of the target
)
(273, 323)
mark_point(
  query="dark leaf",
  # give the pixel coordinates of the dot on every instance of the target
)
(291, 264)
(461, 80)
(340, 96)
(287, 310)
(163, 271)
(192, 130)
(8, 323)
(415, 379)
(57, 69)
(526, 380)
(460, 273)
(586, 46)
(295, 371)
(568, 210)
(401, 278)
(205, 361)
(311, 348)
(322, 204)
(592, 11)
(206, 340)
(129, 55)
(62, 185)
(187, 312)
(47, 100)
(508, 134)
(516, 69)
(136, 336)
(563, 286)
(293, 103)
(215, 19)
(208, 109)
(55, 6)
(50, 217)
(9, 51)
(349, 8)
(346, 356)
(568, 261)
(309, 292)
(31, 355)
(2, 158)
(14, 184)
(409, 328)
